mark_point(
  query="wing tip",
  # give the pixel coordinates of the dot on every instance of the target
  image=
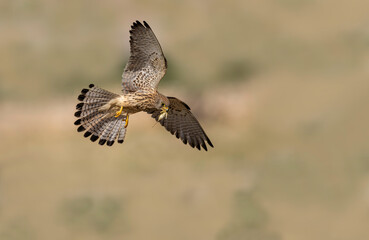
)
(209, 142)
(136, 24)
(203, 145)
(139, 24)
(146, 24)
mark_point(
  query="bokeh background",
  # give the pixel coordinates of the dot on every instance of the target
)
(280, 86)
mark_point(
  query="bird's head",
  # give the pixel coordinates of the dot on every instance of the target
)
(162, 101)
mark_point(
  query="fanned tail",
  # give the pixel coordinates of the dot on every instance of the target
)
(99, 123)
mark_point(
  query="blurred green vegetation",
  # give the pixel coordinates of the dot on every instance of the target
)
(98, 215)
(249, 220)
(17, 229)
(280, 86)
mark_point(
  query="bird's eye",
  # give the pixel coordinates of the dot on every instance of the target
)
(163, 104)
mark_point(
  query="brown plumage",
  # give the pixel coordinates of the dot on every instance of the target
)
(181, 123)
(105, 115)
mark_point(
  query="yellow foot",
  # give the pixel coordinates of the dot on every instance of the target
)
(117, 114)
(125, 125)
(163, 113)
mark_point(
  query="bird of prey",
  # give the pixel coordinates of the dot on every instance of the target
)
(103, 114)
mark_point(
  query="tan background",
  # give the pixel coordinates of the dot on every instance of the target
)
(281, 87)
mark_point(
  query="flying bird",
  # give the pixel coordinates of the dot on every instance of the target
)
(105, 115)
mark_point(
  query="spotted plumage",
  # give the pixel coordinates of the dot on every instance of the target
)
(104, 115)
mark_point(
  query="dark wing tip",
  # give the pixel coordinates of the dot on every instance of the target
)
(91, 85)
(133, 26)
(177, 134)
(137, 23)
(110, 143)
(120, 141)
(203, 145)
(209, 142)
(192, 144)
(146, 25)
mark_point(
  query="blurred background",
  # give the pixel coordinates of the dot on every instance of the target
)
(280, 86)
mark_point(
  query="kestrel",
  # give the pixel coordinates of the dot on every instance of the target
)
(105, 115)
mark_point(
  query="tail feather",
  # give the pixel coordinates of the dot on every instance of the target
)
(99, 127)
(99, 123)
(89, 105)
(115, 131)
(106, 133)
(97, 101)
(121, 134)
(90, 119)
(102, 128)
(106, 129)
(87, 109)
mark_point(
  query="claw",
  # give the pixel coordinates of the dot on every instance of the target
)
(118, 113)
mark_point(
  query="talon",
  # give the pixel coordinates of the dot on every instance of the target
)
(118, 113)
(126, 124)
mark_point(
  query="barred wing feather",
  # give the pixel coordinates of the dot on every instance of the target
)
(147, 64)
(183, 124)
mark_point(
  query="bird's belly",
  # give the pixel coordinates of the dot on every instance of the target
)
(131, 110)
(130, 103)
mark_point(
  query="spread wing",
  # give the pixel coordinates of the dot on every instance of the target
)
(183, 124)
(147, 64)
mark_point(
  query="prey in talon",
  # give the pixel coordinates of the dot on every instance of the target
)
(163, 113)
(104, 116)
